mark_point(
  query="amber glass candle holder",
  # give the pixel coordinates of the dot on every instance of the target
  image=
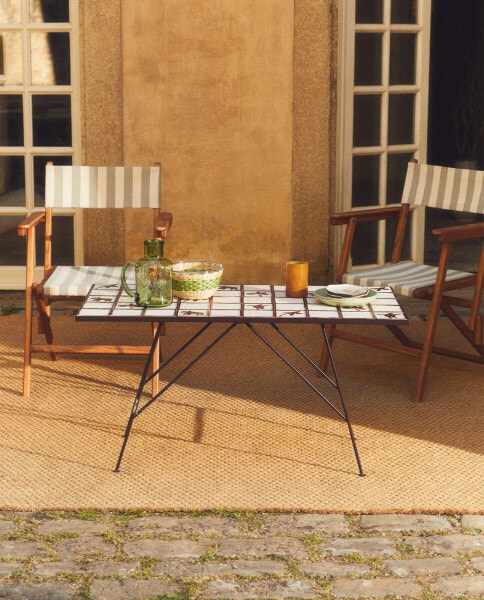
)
(296, 279)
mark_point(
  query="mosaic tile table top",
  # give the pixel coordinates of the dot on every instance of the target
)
(244, 303)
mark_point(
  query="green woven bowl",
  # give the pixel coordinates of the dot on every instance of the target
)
(196, 280)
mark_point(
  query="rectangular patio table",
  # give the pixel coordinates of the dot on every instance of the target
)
(234, 305)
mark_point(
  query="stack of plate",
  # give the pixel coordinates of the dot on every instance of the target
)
(345, 295)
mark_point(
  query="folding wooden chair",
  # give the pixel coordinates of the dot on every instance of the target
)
(83, 187)
(444, 188)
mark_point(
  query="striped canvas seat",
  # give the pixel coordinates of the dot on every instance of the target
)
(69, 189)
(77, 281)
(404, 277)
(435, 187)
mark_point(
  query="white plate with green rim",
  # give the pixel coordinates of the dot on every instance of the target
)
(322, 296)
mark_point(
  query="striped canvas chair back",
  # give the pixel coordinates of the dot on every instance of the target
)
(102, 187)
(443, 187)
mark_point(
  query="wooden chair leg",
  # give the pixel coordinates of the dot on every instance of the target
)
(43, 317)
(27, 341)
(432, 323)
(323, 361)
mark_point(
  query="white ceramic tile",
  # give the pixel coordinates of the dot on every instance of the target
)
(295, 301)
(194, 305)
(160, 312)
(127, 312)
(193, 312)
(227, 287)
(91, 312)
(289, 306)
(355, 309)
(258, 301)
(258, 313)
(222, 293)
(389, 301)
(226, 306)
(224, 312)
(252, 288)
(225, 299)
(265, 308)
(105, 302)
(319, 306)
(293, 314)
(390, 315)
(359, 315)
(328, 312)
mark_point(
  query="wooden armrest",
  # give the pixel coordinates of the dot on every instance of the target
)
(370, 214)
(163, 223)
(459, 232)
(31, 221)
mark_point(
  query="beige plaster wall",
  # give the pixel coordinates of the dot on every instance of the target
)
(207, 91)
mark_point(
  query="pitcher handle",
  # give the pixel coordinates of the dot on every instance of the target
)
(126, 287)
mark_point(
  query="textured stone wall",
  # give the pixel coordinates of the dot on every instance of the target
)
(101, 120)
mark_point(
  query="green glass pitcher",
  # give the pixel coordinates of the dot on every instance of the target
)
(154, 275)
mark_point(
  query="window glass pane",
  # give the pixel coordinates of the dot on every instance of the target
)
(62, 241)
(365, 244)
(368, 58)
(50, 58)
(390, 232)
(466, 254)
(366, 180)
(11, 120)
(13, 249)
(366, 120)
(12, 181)
(396, 171)
(11, 11)
(400, 119)
(39, 174)
(369, 11)
(51, 120)
(11, 58)
(49, 11)
(402, 58)
(404, 11)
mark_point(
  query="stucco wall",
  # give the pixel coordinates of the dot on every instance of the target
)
(236, 99)
(207, 91)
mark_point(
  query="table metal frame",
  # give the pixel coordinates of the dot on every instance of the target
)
(113, 307)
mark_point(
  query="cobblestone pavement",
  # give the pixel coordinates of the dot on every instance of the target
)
(239, 555)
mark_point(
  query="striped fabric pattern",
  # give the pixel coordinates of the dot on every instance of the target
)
(443, 187)
(102, 187)
(404, 277)
(77, 281)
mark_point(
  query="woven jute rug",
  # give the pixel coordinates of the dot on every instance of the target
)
(239, 430)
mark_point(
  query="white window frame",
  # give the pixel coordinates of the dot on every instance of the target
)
(345, 95)
(13, 277)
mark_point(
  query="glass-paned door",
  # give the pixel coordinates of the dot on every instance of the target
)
(382, 104)
(39, 122)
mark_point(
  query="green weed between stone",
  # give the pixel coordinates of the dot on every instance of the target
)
(10, 309)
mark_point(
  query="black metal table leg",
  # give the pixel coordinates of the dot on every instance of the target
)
(145, 379)
(344, 415)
